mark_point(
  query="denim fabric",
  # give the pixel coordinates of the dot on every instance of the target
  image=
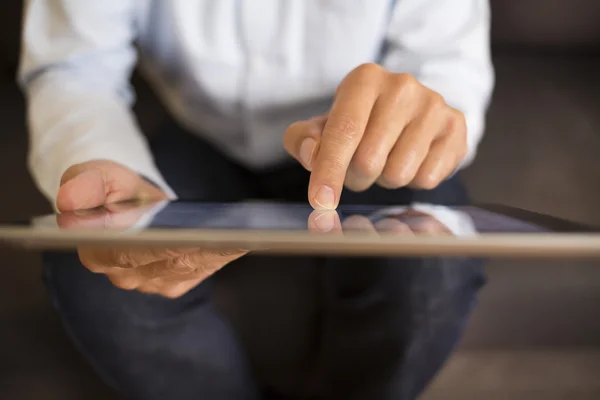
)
(272, 327)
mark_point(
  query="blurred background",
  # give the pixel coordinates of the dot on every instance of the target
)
(536, 331)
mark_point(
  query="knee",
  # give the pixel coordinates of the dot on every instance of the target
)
(446, 290)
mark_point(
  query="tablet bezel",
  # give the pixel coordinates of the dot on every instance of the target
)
(574, 240)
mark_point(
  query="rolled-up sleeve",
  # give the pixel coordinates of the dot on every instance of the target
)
(446, 45)
(76, 61)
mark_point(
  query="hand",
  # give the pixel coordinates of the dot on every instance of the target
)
(382, 128)
(99, 182)
(167, 272)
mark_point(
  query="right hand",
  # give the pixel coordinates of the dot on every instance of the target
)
(166, 272)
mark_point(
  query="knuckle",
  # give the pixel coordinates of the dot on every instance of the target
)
(344, 129)
(124, 259)
(207, 269)
(362, 74)
(403, 86)
(227, 253)
(334, 164)
(436, 102)
(183, 264)
(366, 164)
(368, 70)
(405, 81)
(153, 270)
(168, 253)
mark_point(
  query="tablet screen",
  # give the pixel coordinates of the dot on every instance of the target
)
(416, 218)
(415, 229)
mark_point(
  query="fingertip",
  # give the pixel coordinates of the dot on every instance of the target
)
(324, 222)
(324, 198)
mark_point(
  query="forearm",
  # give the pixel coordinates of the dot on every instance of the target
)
(75, 66)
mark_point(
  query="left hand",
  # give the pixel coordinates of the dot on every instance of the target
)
(383, 128)
(168, 272)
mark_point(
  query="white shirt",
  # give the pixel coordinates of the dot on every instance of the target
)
(235, 72)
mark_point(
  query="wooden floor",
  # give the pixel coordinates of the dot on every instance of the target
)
(520, 375)
(535, 333)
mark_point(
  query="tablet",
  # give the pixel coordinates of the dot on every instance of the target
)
(397, 230)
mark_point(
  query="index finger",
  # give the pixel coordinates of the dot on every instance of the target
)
(342, 133)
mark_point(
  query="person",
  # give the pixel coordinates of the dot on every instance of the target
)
(331, 102)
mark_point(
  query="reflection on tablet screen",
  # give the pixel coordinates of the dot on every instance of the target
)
(416, 218)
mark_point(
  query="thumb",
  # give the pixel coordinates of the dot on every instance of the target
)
(86, 190)
(301, 139)
(95, 183)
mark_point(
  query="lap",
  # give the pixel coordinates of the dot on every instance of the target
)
(288, 323)
(253, 323)
(391, 322)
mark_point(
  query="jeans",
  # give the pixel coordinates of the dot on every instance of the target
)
(269, 327)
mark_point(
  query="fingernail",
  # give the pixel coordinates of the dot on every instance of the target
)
(325, 198)
(325, 222)
(307, 148)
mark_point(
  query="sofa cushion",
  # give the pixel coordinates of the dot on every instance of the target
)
(546, 22)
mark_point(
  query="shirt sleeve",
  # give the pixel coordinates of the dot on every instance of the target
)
(76, 62)
(445, 44)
